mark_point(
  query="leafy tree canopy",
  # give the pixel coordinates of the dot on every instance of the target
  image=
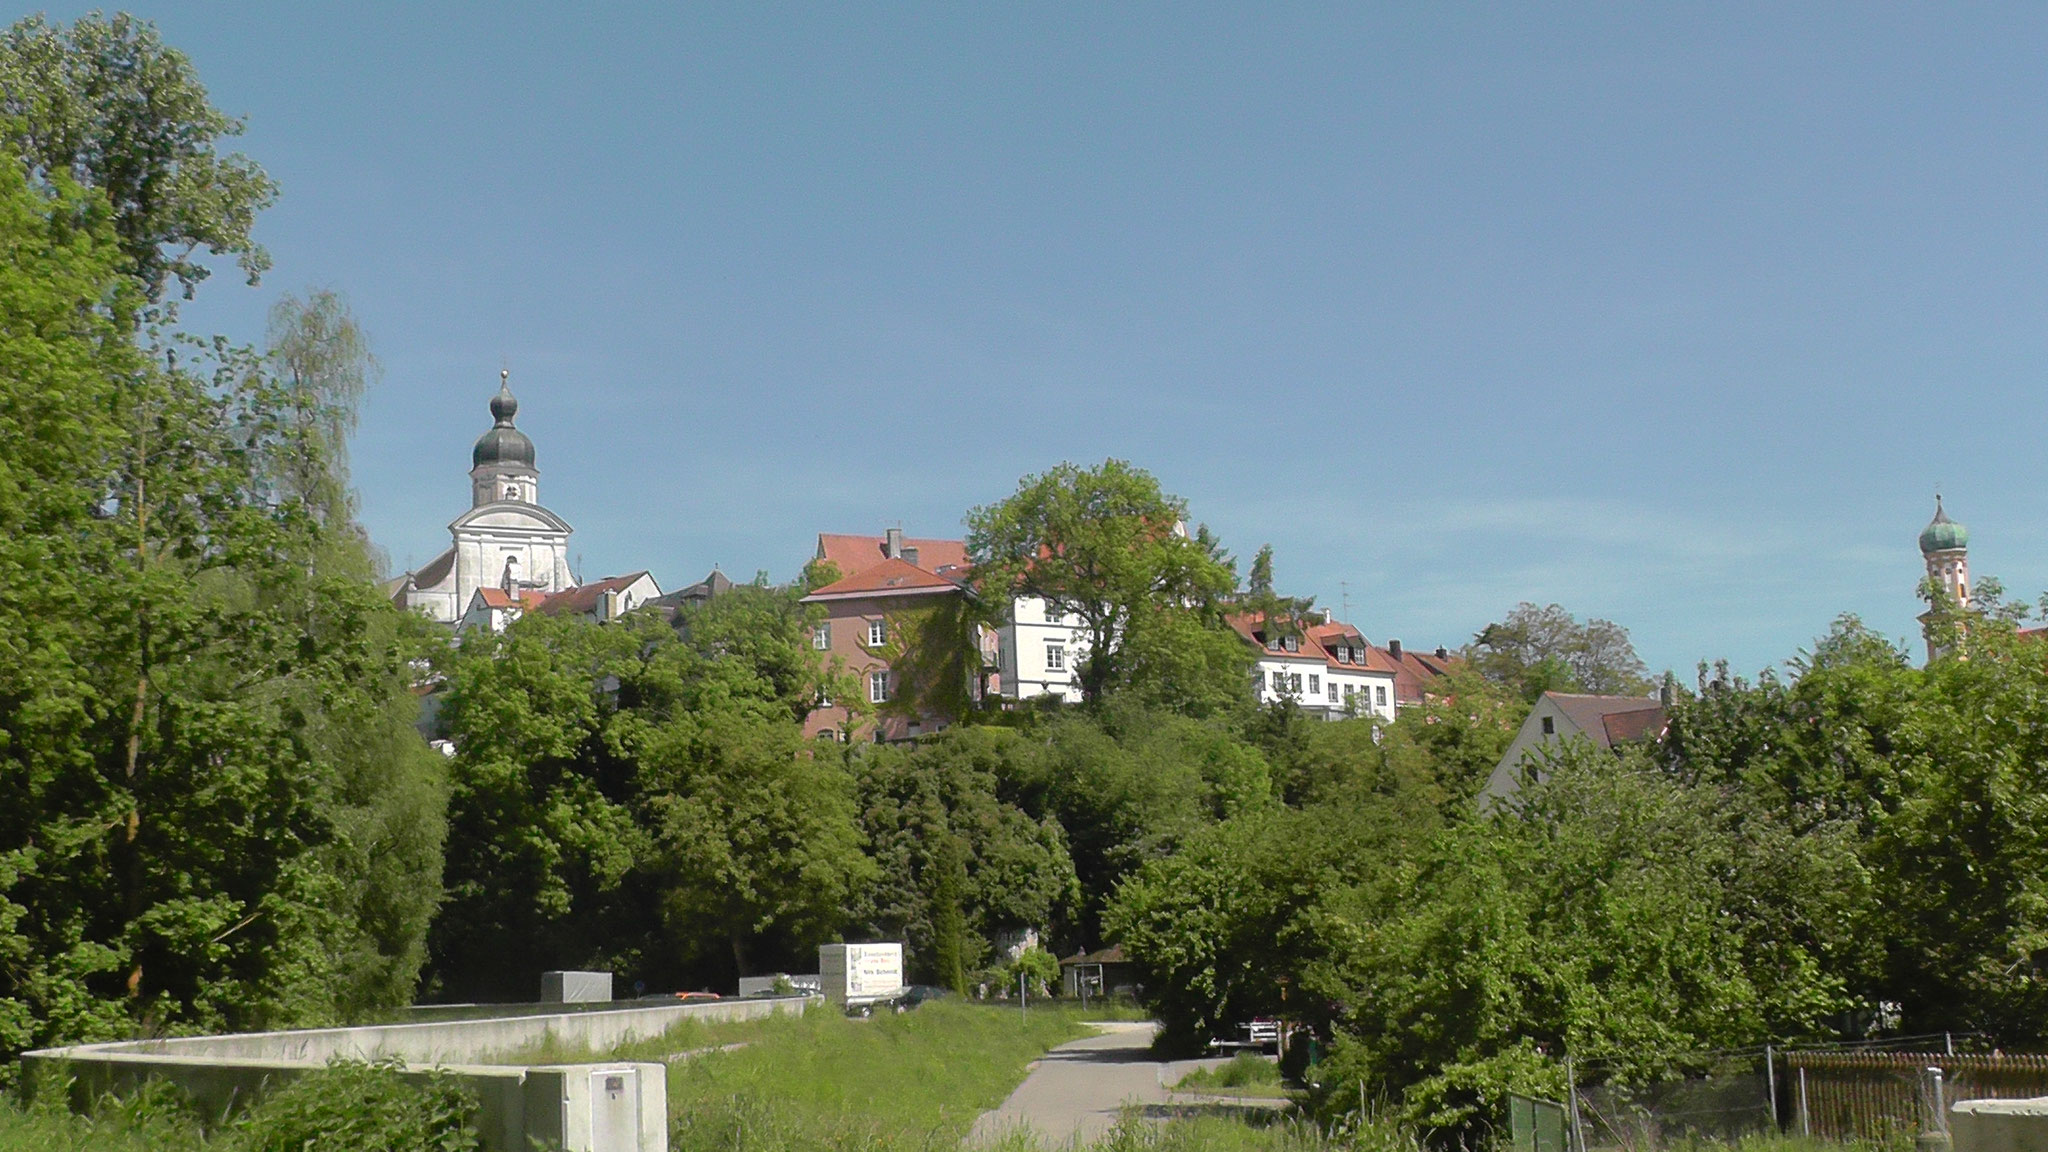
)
(106, 103)
(1537, 650)
(1105, 544)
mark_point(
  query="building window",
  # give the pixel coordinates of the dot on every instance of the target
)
(1381, 692)
(1348, 691)
(1053, 615)
(1315, 684)
(878, 633)
(1294, 683)
(1333, 691)
(821, 636)
(1055, 658)
(828, 735)
(1549, 726)
(878, 687)
(1292, 644)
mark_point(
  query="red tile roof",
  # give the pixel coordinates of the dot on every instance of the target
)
(888, 578)
(1611, 719)
(1251, 625)
(1337, 635)
(587, 597)
(525, 601)
(856, 554)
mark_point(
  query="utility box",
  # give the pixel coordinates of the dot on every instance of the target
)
(855, 974)
(575, 987)
(599, 1107)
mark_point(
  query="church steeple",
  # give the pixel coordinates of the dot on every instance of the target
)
(501, 464)
(1945, 545)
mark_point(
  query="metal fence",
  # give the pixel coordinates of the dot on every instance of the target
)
(1879, 1095)
(1863, 1093)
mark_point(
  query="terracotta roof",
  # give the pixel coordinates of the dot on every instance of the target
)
(587, 597)
(1608, 719)
(498, 598)
(888, 578)
(856, 554)
(1114, 954)
(1251, 625)
(1337, 635)
(1412, 670)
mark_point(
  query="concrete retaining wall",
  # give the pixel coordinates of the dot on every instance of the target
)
(595, 1107)
(1999, 1125)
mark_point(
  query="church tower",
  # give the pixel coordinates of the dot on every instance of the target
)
(1945, 545)
(506, 542)
(501, 464)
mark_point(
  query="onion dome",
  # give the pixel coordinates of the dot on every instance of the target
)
(503, 444)
(1943, 534)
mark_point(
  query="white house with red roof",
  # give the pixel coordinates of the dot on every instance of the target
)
(1608, 722)
(1329, 668)
(602, 600)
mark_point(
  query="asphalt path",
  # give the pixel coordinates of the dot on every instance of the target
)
(1076, 1092)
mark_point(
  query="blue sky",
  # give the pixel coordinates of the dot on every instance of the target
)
(1674, 314)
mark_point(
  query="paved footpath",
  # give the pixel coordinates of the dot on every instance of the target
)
(1076, 1091)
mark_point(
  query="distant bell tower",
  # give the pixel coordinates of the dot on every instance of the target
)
(1945, 545)
(502, 463)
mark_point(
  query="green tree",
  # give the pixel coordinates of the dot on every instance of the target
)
(944, 843)
(1537, 650)
(625, 799)
(316, 366)
(1940, 772)
(1105, 544)
(769, 630)
(216, 800)
(107, 104)
(1619, 916)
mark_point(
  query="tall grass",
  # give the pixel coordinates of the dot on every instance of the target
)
(917, 1080)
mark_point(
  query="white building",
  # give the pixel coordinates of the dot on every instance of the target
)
(1041, 651)
(505, 541)
(1326, 668)
(1607, 721)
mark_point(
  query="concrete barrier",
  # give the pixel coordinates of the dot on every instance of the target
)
(584, 1107)
(1999, 1125)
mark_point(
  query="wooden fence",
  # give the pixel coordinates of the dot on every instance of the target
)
(1877, 1095)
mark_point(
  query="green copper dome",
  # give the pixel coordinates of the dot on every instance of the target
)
(503, 444)
(1943, 534)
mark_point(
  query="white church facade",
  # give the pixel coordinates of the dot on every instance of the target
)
(506, 540)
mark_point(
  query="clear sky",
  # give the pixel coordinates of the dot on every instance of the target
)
(1674, 314)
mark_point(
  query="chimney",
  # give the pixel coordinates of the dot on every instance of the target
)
(910, 555)
(1394, 649)
(1443, 653)
(892, 544)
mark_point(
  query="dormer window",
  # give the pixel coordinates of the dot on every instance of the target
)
(1292, 644)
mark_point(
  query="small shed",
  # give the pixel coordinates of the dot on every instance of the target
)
(1105, 972)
